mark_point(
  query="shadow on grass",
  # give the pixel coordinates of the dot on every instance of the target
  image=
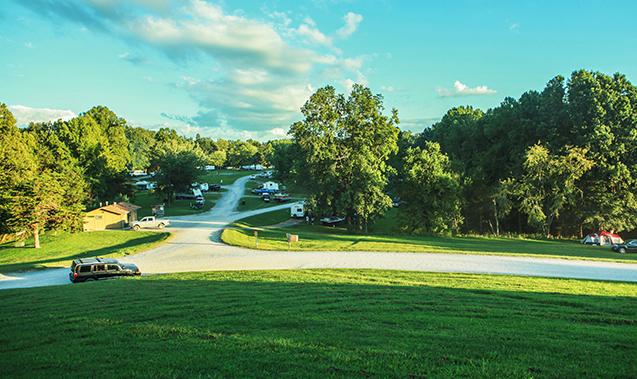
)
(322, 323)
(108, 251)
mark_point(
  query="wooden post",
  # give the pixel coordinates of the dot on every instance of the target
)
(256, 238)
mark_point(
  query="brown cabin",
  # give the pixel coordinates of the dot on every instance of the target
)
(113, 216)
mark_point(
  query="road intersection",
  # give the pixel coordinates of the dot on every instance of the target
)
(196, 246)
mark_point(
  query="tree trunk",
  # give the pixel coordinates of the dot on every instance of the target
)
(495, 214)
(36, 236)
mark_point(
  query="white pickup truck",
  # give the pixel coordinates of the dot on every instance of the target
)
(149, 222)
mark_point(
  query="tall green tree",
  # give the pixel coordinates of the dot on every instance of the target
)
(604, 115)
(177, 164)
(140, 145)
(549, 184)
(41, 184)
(241, 154)
(432, 192)
(284, 157)
(344, 144)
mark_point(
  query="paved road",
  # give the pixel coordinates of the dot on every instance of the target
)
(196, 247)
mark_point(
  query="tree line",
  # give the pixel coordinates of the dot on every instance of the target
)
(555, 162)
(51, 173)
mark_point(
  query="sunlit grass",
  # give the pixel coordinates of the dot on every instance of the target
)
(324, 238)
(59, 249)
(321, 323)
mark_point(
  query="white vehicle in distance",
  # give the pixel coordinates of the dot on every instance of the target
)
(150, 222)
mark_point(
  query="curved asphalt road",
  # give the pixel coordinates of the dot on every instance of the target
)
(196, 247)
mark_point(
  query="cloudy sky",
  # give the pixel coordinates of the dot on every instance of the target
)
(242, 69)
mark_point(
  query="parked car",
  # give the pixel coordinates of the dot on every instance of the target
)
(626, 247)
(260, 191)
(265, 197)
(215, 187)
(90, 269)
(332, 221)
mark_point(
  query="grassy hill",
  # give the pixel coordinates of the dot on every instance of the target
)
(321, 324)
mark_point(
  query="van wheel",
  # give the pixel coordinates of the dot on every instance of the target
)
(136, 227)
(622, 250)
(89, 280)
(161, 226)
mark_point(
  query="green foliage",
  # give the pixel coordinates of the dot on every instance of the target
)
(41, 184)
(241, 154)
(284, 157)
(140, 144)
(177, 164)
(344, 145)
(549, 183)
(592, 114)
(431, 192)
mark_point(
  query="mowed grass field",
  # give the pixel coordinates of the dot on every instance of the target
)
(321, 324)
(324, 238)
(59, 249)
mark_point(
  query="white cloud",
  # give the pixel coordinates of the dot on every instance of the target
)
(235, 41)
(352, 20)
(513, 26)
(314, 35)
(260, 73)
(29, 45)
(279, 132)
(348, 84)
(388, 89)
(281, 17)
(25, 115)
(460, 89)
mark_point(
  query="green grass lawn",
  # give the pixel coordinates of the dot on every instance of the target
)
(321, 324)
(61, 248)
(177, 207)
(323, 238)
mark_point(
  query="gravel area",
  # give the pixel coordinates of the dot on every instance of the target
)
(196, 246)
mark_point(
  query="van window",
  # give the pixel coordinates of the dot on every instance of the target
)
(85, 268)
(113, 268)
(99, 268)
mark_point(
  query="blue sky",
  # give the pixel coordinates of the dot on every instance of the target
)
(242, 69)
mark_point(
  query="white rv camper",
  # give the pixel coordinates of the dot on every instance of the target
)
(296, 210)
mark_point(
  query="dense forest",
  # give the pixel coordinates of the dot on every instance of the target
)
(555, 162)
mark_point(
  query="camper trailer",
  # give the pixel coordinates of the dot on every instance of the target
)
(296, 210)
(142, 185)
(271, 186)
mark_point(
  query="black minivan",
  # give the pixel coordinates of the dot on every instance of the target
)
(89, 269)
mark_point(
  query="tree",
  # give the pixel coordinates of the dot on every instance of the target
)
(41, 185)
(178, 163)
(603, 110)
(431, 192)
(549, 183)
(140, 144)
(217, 158)
(284, 157)
(344, 145)
(241, 154)
(97, 140)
